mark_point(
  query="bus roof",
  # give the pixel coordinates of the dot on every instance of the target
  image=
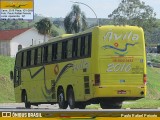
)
(66, 36)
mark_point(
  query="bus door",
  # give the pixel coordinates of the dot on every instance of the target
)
(17, 77)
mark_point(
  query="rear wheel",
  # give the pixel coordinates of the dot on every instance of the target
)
(27, 104)
(61, 99)
(71, 98)
(80, 105)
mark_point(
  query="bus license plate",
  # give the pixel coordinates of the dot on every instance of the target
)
(121, 92)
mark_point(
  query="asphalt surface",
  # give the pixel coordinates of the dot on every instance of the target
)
(22, 106)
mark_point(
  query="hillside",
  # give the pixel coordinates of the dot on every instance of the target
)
(6, 88)
(6, 85)
(153, 83)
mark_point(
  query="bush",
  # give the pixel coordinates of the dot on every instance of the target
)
(155, 60)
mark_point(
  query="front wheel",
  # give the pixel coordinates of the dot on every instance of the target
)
(61, 99)
(27, 104)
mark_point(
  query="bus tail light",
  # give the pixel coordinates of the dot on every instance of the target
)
(97, 79)
(144, 79)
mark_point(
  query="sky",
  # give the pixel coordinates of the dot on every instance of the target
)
(102, 8)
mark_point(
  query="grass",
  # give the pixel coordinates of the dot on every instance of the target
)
(153, 83)
(6, 88)
(143, 103)
(6, 65)
(93, 106)
(6, 85)
(153, 57)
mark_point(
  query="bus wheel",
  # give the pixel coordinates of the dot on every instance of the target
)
(71, 98)
(80, 105)
(110, 105)
(61, 99)
(27, 104)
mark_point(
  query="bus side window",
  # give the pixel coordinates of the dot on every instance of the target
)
(28, 58)
(45, 54)
(64, 49)
(49, 53)
(82, 49)
(86, 46)
(39, 56)
(54, 51)
(22, 58)
(32, 57)
(69, 49)
(35, 56)
(75, 47)
(18, 59)
(59, 51)
(89, 44)
(79, 48)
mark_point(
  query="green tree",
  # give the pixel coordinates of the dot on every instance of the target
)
(43, 27)
(54, 33)
(134, 12)
(68, 24)
(75, 21)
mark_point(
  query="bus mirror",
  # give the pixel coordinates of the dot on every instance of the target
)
(11, 75)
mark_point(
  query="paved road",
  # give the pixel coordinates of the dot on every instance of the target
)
(42, 106)
(21, 106)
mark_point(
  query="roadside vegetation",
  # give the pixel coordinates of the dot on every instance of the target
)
(6, 85)
(153, 58)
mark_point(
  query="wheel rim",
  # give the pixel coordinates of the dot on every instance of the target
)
(25, 98)
(61, 98)
(70, 99)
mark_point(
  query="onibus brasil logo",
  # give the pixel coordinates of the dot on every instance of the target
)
(128, 36)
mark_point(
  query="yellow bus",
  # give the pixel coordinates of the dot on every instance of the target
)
(104, 65)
